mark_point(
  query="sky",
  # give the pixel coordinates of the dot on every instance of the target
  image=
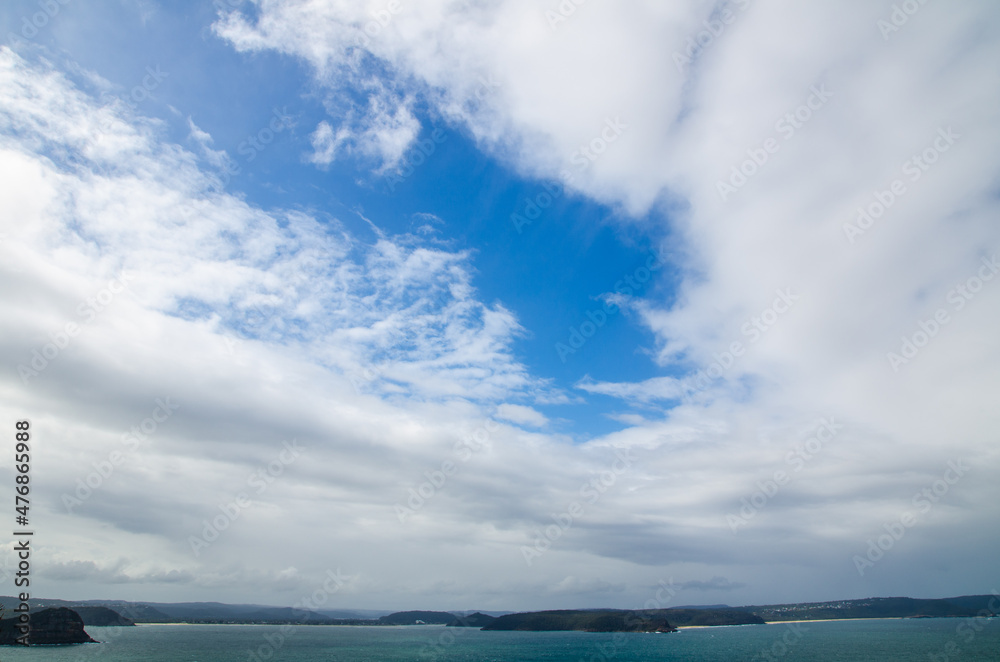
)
(502, 304)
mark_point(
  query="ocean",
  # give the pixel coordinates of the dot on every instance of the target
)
(882, 640)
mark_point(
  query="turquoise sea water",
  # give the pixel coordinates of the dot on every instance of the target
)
(876, 640)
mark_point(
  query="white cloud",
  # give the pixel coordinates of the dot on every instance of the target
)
(325, 144)
(656, 388)
(383, 134)
(387, 130)
(861, 108)
(521, 415)
(380, 125)
(217, 158)
(261, 326)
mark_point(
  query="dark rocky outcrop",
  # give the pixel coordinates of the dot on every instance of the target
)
(48, 627)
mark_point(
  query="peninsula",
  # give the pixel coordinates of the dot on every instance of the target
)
(47, 627)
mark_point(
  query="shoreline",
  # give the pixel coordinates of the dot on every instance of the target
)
(802, 620)
(830, 620)
(434, 625)
(702, 627)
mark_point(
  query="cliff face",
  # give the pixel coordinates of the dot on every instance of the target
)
(48, 627)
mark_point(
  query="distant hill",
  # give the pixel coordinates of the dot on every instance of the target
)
(874, 608)
(598, 620)
(217, 612)
(102, 616)
(476, 620)
(412, 618)
(137, 613)
(978, 603)
(124, 613)
(371, 614)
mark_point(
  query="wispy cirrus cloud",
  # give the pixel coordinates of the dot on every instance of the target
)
(251, 321)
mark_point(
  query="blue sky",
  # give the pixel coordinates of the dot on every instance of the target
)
(548, 273)
(359, 280)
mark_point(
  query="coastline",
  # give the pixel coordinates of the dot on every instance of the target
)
(828, 620)
(804, 620)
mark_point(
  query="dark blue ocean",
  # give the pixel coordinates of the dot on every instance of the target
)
(887, 640)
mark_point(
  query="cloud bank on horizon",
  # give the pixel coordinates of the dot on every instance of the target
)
(231, 396)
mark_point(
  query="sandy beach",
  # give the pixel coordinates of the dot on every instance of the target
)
(805, 620)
